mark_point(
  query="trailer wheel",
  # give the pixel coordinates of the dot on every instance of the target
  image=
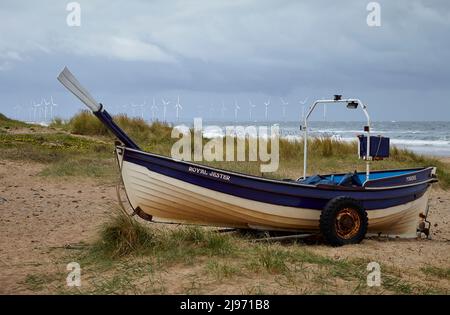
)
(343, 221)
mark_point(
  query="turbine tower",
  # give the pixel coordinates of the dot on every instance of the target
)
(165, 103)
(36, 109)
(142, 107)
(31, 112)
(52, 104)
(303, 107)
(45, 108)
(133, 109)
(178, 108)
(251, 107)
(283, 107)
(236, 109)
(267, 103)
(154, 109)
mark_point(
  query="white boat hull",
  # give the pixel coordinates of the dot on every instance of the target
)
(171, 200)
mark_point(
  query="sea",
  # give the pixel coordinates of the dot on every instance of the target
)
(423, 137)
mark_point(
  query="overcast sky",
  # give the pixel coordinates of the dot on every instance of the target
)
(212, 51)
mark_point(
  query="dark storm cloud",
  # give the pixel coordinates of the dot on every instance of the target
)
(207, 51)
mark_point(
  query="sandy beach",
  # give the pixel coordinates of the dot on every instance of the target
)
(42, 217)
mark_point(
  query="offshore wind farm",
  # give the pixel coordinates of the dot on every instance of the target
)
(422, 137)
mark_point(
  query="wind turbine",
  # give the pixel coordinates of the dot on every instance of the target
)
(251, 107)
(52, 104)
(154, 109)
(283, 107)
(303, 107)
(165, 103)
(31, 111)
(142, 107)
(178, 107)
(45, 108)
(236, 109)
(36, 108)
(267, 103)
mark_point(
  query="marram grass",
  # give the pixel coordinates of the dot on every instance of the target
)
(326, 155)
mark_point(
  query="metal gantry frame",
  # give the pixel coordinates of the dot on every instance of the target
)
(337, 100)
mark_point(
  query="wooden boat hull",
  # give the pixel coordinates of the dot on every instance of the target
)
(171, 200)
(163, 189)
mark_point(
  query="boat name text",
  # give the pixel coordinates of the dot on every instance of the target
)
(204, 172)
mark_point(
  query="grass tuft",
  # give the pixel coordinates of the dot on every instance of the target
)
(85, 123)
(199, 240)
(154, 137)
(272, 259)
(8, 123)
(221, 270)
(438, 272)
(122, 236)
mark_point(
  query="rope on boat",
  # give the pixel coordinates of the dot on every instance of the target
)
(121, 202)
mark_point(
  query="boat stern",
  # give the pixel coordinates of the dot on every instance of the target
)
(401, 221)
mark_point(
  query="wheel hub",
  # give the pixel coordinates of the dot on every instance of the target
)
(348, 223)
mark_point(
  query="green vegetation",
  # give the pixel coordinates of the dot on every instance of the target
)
(39, 282)
(222, 270)
(85, 123)
(83, 147)
(123, 235)
(154, 137)
(442, 273)
(6, 123)
(63, 154)
(270, 258)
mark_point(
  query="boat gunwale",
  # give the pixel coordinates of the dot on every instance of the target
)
(296, 184)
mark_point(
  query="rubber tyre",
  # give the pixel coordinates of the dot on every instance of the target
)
(328, 221)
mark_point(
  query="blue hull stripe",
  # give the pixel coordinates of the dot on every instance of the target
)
(268, 191)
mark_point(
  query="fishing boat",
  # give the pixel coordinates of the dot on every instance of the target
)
(342, 207)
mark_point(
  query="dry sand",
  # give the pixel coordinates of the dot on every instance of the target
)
(39, 214)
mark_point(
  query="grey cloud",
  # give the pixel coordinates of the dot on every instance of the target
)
(213, 50)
